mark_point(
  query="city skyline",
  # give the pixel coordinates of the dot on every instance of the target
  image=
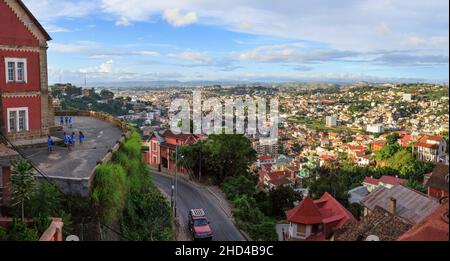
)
(120, 41)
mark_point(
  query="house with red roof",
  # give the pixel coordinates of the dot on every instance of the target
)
(264, 160)
(316, 220)
(377, 145)
(385, 181)
(275, 179)
(430, 148)
(163, 146)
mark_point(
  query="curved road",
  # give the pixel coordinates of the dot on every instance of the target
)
(192, 196)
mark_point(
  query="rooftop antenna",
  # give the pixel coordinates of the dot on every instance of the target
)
(85, 81)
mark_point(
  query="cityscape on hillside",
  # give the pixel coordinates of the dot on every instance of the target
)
(93, 152)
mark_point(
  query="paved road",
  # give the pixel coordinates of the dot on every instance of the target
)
(192, 196)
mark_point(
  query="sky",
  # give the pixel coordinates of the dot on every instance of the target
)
(245, 40)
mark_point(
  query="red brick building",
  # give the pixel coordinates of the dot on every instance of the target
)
(25, 104)
(25, 107)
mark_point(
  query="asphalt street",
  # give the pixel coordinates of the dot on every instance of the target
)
(191, 196)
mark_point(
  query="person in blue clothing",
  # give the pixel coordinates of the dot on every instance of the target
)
(73, 139)
(50, 143)
(81, 137)
(61, 120)
(70, 122)
(67, 140)
(66, 118)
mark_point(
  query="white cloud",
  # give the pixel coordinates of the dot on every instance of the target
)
(104, 68)
(123, 21)
(72, 48)
(200, 57)
(147, 53)
(177, 19)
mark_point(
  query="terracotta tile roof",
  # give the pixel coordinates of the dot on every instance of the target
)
(392, 180)
(426, 145)
(305, 213)
(379, 222)
(370, 180)
(280, 182)
(326, 210)
(439, 177)
(411, 205)
(432, 228)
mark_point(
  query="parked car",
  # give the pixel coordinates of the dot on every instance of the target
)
(199, 225)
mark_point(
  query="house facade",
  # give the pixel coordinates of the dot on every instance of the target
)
(431, 148)
(163, 147)
(26, 109)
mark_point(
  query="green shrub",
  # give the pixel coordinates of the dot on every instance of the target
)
(19, 231)
(109, 191)
(147, 217)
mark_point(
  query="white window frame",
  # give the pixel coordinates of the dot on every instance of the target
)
(27, 119)
(16, 70)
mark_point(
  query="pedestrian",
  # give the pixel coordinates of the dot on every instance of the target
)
(81, 137)
(70, 122)
(66, 118)
(61, 120)
(50, 143)
(67, 141)
(73, 138)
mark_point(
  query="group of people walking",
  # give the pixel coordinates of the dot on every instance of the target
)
(69, 140)
(66, 120)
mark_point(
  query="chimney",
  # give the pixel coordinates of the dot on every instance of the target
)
(392, 205)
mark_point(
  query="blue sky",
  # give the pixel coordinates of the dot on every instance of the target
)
(253, 40)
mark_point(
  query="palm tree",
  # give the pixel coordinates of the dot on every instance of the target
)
(23, 183)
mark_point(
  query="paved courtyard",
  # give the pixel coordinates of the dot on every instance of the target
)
(81, 160)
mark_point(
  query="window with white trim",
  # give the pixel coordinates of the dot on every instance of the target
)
(17, 119)
(16, 70)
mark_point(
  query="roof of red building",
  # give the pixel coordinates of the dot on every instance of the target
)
(276, 175)
(265, 157)
(356, 147)
(322, 211)
(305, 213)
(370, 180)
(280, 182)
(426, 145)
(433, 228)
(35, 21)
(379, 142)
(405, 138)
(392, 180)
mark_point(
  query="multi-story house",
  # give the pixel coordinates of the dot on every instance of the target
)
(163, 148)
(25, 104)
(431, 148)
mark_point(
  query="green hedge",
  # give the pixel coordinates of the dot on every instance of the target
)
(125, 193)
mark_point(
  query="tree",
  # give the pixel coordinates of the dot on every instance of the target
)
(392, 138)
(220, 156)
(282, 199)
(23, 183)
(106, 95)
(328, 180)
(387, 152)
(403, 162)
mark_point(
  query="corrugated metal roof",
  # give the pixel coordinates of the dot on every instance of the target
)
(411, 205)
